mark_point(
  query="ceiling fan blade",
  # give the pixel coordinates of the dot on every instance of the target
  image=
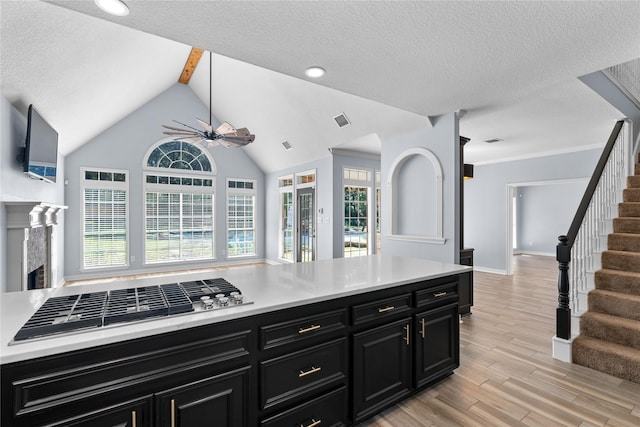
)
(243, 132)
(178, 129)
(206, 126)
(186, 125)
(238, 140)
(183, 132)
(225, 128)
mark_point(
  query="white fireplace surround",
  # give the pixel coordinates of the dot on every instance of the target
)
(21, 217)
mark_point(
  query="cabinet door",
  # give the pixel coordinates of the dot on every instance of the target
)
(134, 413)
(381, 367)
(219, 401)
(437, 343)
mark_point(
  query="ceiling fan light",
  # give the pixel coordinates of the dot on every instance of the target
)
(314, 72)
(113, 7)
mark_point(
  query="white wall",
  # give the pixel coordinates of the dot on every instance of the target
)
(443, 141)
(540, 222)
(486, 198)
(124, 146)
(16, 186)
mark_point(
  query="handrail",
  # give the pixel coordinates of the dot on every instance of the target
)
(593, 183)
(566, 242)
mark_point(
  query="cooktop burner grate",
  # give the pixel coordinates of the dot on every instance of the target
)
(93, 310)
(62, 314)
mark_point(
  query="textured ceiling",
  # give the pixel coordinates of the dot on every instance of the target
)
(503, 62)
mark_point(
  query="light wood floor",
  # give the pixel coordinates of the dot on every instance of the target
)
(507, 376)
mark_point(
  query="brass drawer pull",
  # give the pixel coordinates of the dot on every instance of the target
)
(133, 418)
(387, 308)
(422, 330)
(439, 294)
(173, 413)
(313, 423)
(407, 336)
(309, 329)
(313, 370)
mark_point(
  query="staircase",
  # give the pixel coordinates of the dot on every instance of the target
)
(609, 339)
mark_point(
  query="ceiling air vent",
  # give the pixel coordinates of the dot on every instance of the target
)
(342, 120)
(286, 145)
(491, 141)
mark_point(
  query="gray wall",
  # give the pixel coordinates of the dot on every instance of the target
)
(324, 201)
(124, 146)
(16, 186)
(443, 141)
(539, 221)
(485, 198)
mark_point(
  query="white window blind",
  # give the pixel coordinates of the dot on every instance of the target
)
(241, 218)
(105, 205)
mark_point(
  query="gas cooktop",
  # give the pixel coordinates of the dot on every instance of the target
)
(100, 309)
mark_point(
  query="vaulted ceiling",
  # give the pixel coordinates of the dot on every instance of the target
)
(511, 65)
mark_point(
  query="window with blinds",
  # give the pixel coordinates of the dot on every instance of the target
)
(105, 218)
(241, 197)
(179, 199)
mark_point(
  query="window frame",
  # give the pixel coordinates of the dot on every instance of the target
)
(107, 185)
(369, 184)
(242, 191)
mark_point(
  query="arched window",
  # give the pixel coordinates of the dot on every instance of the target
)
(179, 187)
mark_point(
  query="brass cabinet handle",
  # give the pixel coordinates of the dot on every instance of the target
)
(309, 329)
(439, 294)
(313, 370)
(173, 413)
(422, 329)
(133, 418)
(387, 308)
(406, 338)
(313, 423)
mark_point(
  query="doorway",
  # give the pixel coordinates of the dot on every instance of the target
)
(306, 229)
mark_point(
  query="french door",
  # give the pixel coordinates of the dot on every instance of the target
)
(306, 225)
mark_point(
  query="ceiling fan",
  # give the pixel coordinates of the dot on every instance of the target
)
(225, 134)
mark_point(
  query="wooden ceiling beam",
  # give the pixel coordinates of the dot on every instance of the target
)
(190, 65)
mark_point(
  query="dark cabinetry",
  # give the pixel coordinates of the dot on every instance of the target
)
(466, 282)
(332, 363)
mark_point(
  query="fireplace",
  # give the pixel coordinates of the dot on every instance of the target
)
(31, 234)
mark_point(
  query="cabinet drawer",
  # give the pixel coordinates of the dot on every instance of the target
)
(437, 295)
(298, 374)
(328, 410)
(380, 309)
(301, 328)
(132, 413)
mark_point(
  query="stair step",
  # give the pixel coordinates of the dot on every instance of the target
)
(633, 181)
(618, 330)
(614, 359)
(626, 225)
(615, 304)
(631, 194)
(627, 282)
(629, 242)
(629, 209)
(637, 169)
(621, 260)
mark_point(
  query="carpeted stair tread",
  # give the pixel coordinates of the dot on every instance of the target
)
(618, 281)
(621, 260)
(626, 225)
(624, 242)
(614, 359)
(614, 303)
(631, 195)
(614, 329)
(629, 209)
(633, 181)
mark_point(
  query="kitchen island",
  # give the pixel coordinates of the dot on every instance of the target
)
(332, 341)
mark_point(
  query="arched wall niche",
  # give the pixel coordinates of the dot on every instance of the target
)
(431, 233)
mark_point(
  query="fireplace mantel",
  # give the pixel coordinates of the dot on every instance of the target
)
(22, 217)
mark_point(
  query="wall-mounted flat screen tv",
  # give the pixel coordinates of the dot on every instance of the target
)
(41, 148)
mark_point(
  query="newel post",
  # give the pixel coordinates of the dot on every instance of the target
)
(563, 312)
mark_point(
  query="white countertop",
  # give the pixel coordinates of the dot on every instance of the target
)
(270, 288)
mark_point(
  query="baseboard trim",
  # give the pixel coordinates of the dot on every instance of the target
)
(489, 270)
(552, 254)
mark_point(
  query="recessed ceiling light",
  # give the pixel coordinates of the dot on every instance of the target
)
(113, 7)
(314, 72)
